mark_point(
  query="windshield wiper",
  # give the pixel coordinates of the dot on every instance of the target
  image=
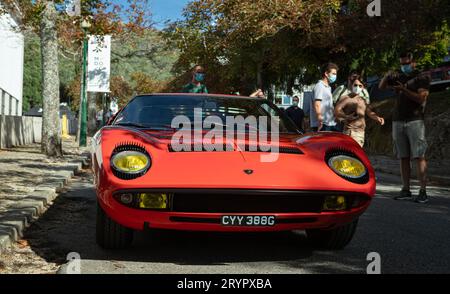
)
(131, 124)
(156, 127)
(161, 127)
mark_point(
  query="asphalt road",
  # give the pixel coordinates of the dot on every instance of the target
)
(410, 238)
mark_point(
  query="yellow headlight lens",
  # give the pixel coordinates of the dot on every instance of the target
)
(153, 200)
(347, 166)
(130, 161)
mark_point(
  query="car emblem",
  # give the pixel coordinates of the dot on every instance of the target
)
(248, 171)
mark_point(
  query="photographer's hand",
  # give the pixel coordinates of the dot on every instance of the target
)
(384, 81)
(399, 87)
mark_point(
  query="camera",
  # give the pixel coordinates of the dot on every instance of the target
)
(393, 78)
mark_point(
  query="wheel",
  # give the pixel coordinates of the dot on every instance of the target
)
(332, 239)
(111, 235)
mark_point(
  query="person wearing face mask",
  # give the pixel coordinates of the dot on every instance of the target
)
(322, 109)
(408, 127)
(197, 84)
(346, 89)
(295, 113)
(352, 109)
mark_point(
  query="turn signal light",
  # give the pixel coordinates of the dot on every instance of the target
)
(153, 200)
(334, 203)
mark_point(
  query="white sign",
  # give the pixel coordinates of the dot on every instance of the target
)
(99, 61)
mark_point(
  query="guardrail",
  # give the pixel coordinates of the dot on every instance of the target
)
(9, 105)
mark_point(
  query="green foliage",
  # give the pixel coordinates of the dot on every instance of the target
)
(247, 44)
(32, 73)
(32, 84)
(147, 53)
(431, 54)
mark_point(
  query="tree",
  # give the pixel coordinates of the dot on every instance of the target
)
(147, 53)
(144, 84)
(121, 90)
(32, 73)
(56, 29)
(51, 133)
(247, 43)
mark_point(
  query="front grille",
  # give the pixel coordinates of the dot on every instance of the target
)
(230, 148)
(268, 148)
(198, 147)
(246, 203)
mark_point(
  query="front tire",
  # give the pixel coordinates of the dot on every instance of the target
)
(333, 239)
(111, 235)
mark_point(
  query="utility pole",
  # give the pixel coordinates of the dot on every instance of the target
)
(85, 25)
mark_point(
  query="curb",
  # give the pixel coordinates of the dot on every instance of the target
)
(439, 180)
(20, 215)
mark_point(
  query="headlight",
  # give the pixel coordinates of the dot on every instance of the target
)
(347, 166)
(130, 162)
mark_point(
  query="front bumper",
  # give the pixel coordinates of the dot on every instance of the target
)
(287, 218)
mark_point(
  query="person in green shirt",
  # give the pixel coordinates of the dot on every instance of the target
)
(196, 85)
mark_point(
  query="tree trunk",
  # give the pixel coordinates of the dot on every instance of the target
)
(51, 134)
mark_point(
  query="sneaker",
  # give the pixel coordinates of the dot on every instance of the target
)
(422, 198)
(404, 195)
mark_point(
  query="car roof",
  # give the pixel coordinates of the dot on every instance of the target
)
(202, 95)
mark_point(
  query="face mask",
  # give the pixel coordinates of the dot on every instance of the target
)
(295, 103)
(406, 68)
(199, 77)
(357, 90)
(332, 79)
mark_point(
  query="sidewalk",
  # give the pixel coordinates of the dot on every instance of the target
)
(29, 182)
(438, 171)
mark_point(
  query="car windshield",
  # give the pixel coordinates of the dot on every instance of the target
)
(158, 112)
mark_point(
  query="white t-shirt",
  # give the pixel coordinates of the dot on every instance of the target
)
(322, 93)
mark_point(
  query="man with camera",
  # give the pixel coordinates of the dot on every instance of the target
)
(408, 128)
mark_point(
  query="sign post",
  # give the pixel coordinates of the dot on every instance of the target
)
(98, 55)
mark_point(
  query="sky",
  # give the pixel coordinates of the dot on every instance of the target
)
(163, 10)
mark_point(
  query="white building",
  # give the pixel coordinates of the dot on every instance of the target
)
(11, 64)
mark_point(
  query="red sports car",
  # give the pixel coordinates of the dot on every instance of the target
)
(154, 170)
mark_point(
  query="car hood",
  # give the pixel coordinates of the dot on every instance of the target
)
(305, 169)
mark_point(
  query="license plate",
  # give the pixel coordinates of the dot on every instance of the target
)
(248, 220)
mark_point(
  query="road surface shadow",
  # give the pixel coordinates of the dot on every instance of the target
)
(389, 227)
(69, 226)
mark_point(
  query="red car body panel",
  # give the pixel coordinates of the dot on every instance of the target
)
(205, 171)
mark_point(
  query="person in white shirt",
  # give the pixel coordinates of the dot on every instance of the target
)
(322, 110)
